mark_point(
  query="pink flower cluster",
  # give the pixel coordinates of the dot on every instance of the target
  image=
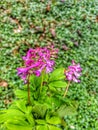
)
(37, 60)
(73, 72)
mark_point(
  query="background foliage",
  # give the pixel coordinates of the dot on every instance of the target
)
(72, 28)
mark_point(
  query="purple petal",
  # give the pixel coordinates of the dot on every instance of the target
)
(48, 69)
(77, 74)
(69, 77)
(76, 80)
(37, 73)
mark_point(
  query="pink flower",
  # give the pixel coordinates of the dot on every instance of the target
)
(37, 60)
(73, 72)
(49, 64)
(23, 72)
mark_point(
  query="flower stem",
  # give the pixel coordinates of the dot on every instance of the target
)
(66, 90)
(41, 83)
(28, 86)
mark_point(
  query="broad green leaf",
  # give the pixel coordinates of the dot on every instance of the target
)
(21, 94)
(10, 114)
(39, 109)
(14, 112)
(21, 104)
(29, 110)
(40, 122)
(18, 127)
(51, 127)
(42, 127)
(58, 84)
(49, 102)
(17, 121)
(52, 88)
(53, 102)
(54, 120)
(13, 115)
(30, 119)
(2, 118)
(57, 74)
(3, 127)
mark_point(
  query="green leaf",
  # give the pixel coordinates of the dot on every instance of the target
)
(14, 112)
(30, 119)
(18, 127)
(17, 117)
(29, 115)
(54, 120)
(39, 109)
(2, 117)
(21, 94)
(29, 109)
(58, 84)
(13, 116)
(21, 104)
(17, 121)
(52, 89)
(40, 122)
(55, 103)
(57, 74)
(51, 127)
(3, 127)
(42, 127)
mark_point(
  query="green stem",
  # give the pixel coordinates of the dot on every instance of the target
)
(66, 90)
(41, 83)
(28, 86)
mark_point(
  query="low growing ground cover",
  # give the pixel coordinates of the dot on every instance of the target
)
(71, 27)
